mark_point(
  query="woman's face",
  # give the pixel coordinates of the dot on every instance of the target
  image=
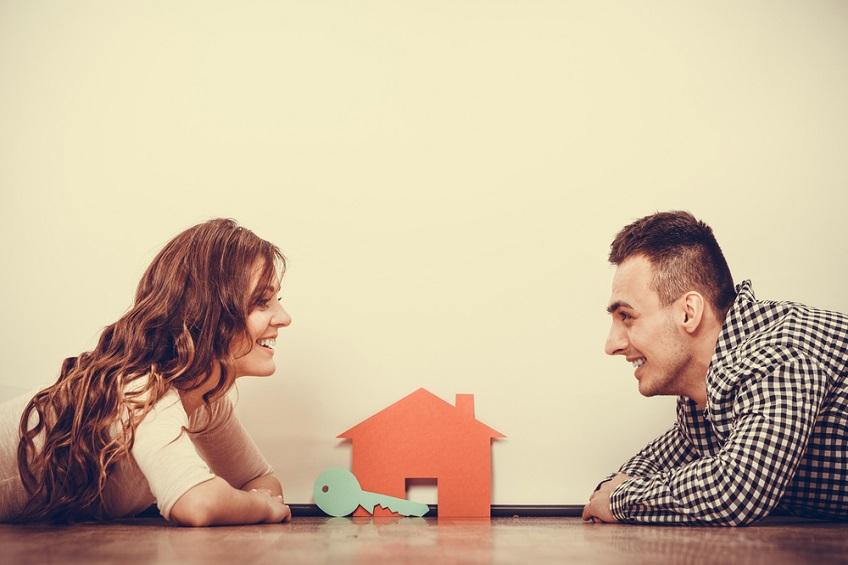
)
(263, 322)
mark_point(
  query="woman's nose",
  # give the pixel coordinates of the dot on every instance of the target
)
(281, 317)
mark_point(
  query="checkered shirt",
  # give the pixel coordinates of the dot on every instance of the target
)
(773, 434)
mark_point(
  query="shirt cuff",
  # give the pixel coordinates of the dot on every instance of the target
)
(609, 478)
(618, 502)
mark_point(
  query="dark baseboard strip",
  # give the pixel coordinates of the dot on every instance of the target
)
(539, 510)
(498, 510)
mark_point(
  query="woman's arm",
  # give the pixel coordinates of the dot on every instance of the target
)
(267, 482)
(216, 503)
(231, 453)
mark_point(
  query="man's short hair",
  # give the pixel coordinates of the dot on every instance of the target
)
(684, 255)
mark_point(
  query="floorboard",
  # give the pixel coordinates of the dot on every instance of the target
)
(774, 541)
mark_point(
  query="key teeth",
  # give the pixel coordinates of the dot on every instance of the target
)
(412, 511)
(392, 504)
(391, 507)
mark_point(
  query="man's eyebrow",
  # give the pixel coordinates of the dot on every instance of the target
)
(616, 305)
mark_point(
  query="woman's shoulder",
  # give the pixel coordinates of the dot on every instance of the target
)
(18, 397)
(167, 410)
(139, 389)
(217, 413)
(169, 405)
(11, 409)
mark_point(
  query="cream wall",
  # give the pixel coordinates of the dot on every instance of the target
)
(445, 178)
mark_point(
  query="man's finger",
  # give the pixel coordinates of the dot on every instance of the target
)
(586, 516)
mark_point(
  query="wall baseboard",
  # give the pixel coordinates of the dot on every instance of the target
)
(498, 510)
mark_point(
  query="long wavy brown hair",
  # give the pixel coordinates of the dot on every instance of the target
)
(190, 305)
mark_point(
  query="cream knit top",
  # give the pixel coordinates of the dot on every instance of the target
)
(165, 463)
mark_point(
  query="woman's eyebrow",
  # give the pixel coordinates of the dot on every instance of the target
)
(269, 289)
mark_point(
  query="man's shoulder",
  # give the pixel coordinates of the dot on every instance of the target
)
(783, 332)
(761, 336)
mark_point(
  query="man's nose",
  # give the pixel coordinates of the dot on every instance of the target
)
(616, 342)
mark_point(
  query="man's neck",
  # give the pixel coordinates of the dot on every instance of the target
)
(696, 378)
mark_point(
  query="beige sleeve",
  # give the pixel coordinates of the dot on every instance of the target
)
(228, 448)
(166, 454)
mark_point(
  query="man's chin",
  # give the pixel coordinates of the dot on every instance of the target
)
(649, 387)
(646, 390)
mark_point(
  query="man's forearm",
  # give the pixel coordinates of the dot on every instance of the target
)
(666, 452)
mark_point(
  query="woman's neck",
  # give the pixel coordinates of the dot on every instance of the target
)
(192, 399)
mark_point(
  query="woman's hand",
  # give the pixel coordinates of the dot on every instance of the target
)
(277, 510)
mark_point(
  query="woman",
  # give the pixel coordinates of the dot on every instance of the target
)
(144, 417)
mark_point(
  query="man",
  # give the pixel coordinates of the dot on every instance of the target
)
(762, 386)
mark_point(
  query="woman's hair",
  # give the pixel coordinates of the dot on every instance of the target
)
(190, 305)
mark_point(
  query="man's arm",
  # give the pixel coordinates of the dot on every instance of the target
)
(745, 480)
(668, 451)
(671, 449)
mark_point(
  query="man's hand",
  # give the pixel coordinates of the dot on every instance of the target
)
(598, 509)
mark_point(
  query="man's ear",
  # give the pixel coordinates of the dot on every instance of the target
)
(692, 304)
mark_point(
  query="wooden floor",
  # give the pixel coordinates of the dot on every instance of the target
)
(425, 540)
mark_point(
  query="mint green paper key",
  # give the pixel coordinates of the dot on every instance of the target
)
(337, 493)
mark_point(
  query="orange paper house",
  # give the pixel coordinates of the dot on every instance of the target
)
(423, 437)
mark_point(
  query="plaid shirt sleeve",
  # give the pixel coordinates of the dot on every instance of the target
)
(746, 478)
(672, 449)
(669, 450)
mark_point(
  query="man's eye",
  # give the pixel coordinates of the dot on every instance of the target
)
(624, 316)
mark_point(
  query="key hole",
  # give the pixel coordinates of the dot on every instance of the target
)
(325, 488)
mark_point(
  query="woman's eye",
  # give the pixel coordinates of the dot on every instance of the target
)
(624, 316)
(265, 302)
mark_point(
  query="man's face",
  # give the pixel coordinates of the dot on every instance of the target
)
(645, 332)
